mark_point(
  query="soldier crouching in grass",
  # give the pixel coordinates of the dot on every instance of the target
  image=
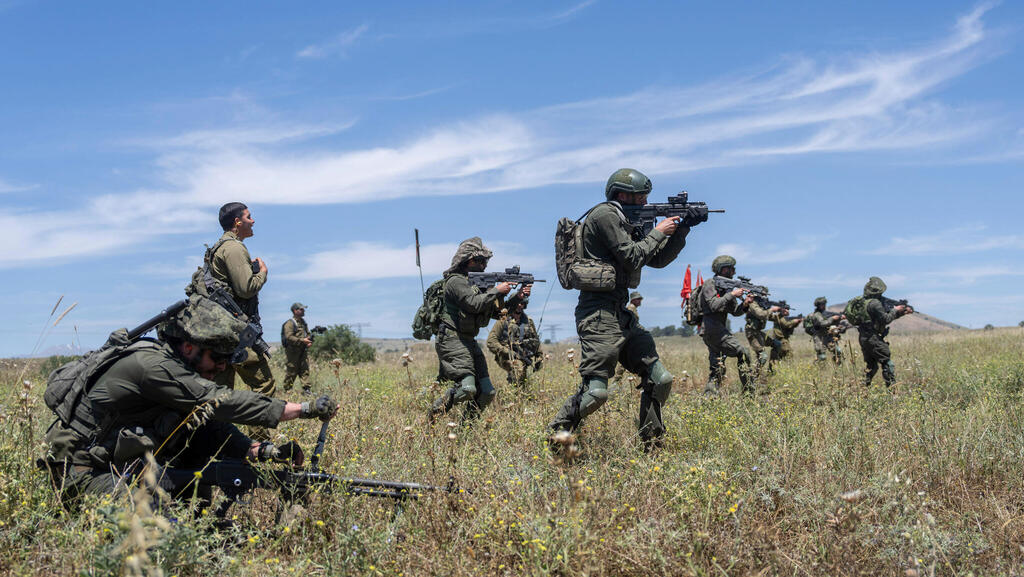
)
(139, 405)
(608, 332)
(515, 344)
(467, 309)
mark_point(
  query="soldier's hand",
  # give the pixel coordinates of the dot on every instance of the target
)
(737, 292)
(900, 309)
(503, 287)
(263, 265)
(289, 452)
(525, 290)
(774, 309)
(308, 341)
(669, 225)
(323, 408)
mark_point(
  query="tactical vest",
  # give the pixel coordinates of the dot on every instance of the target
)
(204, 283)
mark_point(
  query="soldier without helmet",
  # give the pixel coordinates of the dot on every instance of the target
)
(296, 340)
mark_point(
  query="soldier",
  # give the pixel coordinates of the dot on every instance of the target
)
(825, 331)
(296, 340)
(635, 300)
(872, 333)
(467, 309)
(138, 404)
(782, 329)
(757, 320)
(515, 344)
(719, 340)
(609, 332)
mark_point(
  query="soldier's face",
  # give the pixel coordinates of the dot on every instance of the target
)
(204, 362)
(637, 302)
(728, 271)
(243, 224)
(476, 264)
(300, 312)
(633, 198)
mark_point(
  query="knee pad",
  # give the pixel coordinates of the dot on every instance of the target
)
(595, 396)
(660, 375)
(466, 389)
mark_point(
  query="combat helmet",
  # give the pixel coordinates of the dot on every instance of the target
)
(874, 288)
(820, 302)
(722, 261)
(206, 324)
(627, 180)
(469, 249)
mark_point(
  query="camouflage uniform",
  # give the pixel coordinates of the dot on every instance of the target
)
(294, 331)
(138, 403)
(619, 369)
(824, 337)
(467, 309)
(782, 329)
(510, 335)
(232, 265)
(872, 334)
(720, 342)
(608, 331)
(757, 320)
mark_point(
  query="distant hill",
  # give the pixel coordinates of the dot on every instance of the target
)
(915, 323)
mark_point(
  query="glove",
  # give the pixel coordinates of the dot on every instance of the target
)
(323, 408)
(289, 452)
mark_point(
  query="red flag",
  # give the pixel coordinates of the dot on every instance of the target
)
(700, 279)
(687, 288)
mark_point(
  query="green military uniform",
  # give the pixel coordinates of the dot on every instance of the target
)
(782, 330)
(232, 265)
(632, 308)
(607, 330)
(137, 404)
(757, 320)
(872, 334)
(467, 309)
(294, 333)
(719, 340)
(824, 333)
(515, 345)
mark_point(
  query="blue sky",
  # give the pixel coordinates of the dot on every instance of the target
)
(844, 141)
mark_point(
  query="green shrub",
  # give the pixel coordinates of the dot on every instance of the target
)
(339, 342)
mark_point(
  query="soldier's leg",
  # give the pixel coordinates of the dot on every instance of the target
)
(600, 341)
(303, 370)
(588, 398)
(256, 374)
(640, 356)
(883, 356)
(730, 347)
(291, 370)
(456, 364)
(484, 393)
(785, 349)
(819, 348)
(835, 350)
(867, 349)
(716, 364)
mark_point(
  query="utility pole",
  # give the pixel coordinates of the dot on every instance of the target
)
(359, 328)
(553, 332)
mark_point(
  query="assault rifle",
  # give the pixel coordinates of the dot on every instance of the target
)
(164, 315)
(317, 330)
(690, 213)
(486, 280)
(237, 477)
(724, 285)
(252, 335)
(890, 304)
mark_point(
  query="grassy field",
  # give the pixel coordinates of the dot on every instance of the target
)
(819, 476)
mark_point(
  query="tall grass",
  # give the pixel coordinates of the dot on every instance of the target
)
(814, 476)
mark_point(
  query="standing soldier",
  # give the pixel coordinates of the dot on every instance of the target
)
(757, 320)
(782, 329)
(874, 328)
(635, 300)
(467, 309)
(824, 331)
(515, 344)
(608, 332)
(296, 339)
(719, 340)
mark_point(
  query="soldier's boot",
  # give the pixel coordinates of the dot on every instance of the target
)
(656, 389)
(869, 373)
(444, 403)
(483, 397)
(889, 373)
(748, 382)
(593, 393)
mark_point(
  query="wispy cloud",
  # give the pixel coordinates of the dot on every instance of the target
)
(372, 260)
(954, 241)
(7, 186)
(760, 254)
(866, 103)
(570, 12)
(337, 46)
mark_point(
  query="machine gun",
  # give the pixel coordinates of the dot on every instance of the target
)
(237, 477)
(725, 285)
(485, 280)
(690, 213)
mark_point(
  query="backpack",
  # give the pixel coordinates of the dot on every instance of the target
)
(575, 271)
(68, 384)
(692, 313)
(857, 311)
(427, 320)
(809, 327)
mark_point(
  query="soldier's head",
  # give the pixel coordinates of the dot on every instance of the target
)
(874, 288)
(204, 334)
(724, 265)
(235, 216)
(628, 186)
(299, 309)
(636, 298)
(471, 256)
(820, 303)
(521, 307)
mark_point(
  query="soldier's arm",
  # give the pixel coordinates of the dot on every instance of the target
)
(459, 290)
(878, 312)
(607, 226)
(170, 384)
(671, 249)
(494, 340)
(243, 282)
(718, 304)
(755, 310)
